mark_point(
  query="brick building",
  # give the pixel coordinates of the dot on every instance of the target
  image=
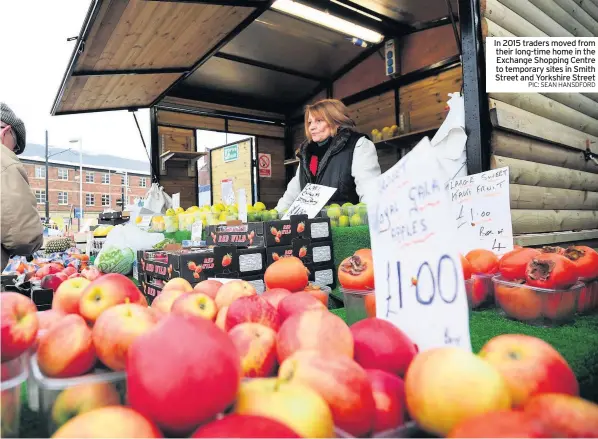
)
(103, 180)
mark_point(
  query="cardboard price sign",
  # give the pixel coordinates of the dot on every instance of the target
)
(418, 273)
(310, 201)
(482, 210)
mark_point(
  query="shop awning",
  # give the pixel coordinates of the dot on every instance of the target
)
(133, 53)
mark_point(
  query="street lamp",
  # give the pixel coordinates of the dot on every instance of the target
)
(80, 141)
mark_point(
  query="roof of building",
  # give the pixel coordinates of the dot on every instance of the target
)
(61, 156)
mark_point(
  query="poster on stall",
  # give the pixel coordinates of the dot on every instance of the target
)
(228, 191)
(310, 201)
(418, 273)
(481, 208)
(242, 204)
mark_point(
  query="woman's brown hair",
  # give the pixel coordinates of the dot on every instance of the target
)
(333, 111)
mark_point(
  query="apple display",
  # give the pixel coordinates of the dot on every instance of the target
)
(19, 325)
(297, 303)
(231, 291)
(67, 349)
(275, 295)
(256, 345)
(252, 309)
(195, 304)
(389, 398)
(297, 406)
(208, 287)
(244, 426)
(501, 423)
(178, 283)
(117, 328)
(163, 303)
(105, 292)
(68, 295)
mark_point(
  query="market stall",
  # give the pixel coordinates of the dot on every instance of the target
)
(249, 69)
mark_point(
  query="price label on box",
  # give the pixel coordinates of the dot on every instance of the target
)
(418, 273)
(482, 210)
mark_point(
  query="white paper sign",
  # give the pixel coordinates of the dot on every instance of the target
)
(228, 191)
(242, 203)
(482, 210)
(176, 200)
(146, 220)
(310, 201)
(419, 278)
(196, 230)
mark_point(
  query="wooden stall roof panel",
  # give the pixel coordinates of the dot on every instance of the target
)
(171, 118)
(137, 35)
(209, 106)
(134, 34)
(410, 11)
(105, 92)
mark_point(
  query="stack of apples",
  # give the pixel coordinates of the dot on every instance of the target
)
(555, 269)
(517, 386)
(53, 274)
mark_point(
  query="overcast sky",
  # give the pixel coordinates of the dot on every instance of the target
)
(35, 54)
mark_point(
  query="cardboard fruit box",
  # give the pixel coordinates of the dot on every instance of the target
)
(322, 274)
(240, 235)
(316, 253)
(284, 232)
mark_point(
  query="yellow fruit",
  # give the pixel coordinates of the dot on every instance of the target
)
(137, 220)
(259, 206)
(179, 210)
(343, 221)
(170, 212)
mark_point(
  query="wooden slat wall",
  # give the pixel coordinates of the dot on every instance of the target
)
(177, 180)
(239, 170)
(376, 112)
(201, 105)
(542, 137)
(235, 126)
(176, 139)
(427, 47)
(190, 121)
(271, 189)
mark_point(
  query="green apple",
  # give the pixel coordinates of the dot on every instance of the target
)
(348, 209)
(333, 222)
(343, 221)
(356, 220)
(333, 212)
(274, 214)
(362, 209)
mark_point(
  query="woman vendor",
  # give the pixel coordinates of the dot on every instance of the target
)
(334, 155)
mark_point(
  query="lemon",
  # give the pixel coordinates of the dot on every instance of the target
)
(222, 216)
(259, 206)
(193, 209)
(137, 220)
(334, 212)
(356, 220)
(250, 208)
(343, 221)
(170, 212)
(179, 210)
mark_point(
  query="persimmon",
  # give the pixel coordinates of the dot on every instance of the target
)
(356, 273)
(551, 271)
(482, 261)
(288, 273)
(585, 259)
(513, 264)
(467, 269)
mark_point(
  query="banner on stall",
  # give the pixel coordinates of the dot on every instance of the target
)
(418, 273)
(310, 201)
(481, 208)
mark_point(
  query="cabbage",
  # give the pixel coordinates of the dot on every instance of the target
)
(114, 259)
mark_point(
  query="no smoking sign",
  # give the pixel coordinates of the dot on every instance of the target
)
(265, 165)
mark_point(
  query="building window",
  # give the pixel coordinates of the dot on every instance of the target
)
(63, 198)
(88, 177)
(142, 182)
(40, 196)
(105, 178)
(105, 200)
(40, 172)
(63, 174)
(90, 200)
(124, 181)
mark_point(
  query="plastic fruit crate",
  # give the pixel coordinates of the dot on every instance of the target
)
(103, 384)
(537, 306)
(359, 305)
(14, 374)
(588, 297)
(480, 291)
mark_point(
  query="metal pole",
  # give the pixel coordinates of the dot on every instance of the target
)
(80, 182)
(47, 185)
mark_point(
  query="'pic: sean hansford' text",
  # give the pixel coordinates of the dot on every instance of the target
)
(547, 64)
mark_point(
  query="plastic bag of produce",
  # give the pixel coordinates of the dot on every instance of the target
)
(156, 199)
(114, 259)
(131, 236)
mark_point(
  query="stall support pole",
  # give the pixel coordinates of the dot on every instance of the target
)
(477, 113)
(154, 146)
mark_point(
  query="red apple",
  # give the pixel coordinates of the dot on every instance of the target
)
(105, 292)
(231, 291)
(76, 276)
(275, 295)
(113, 421)
(68, 295)
(91, 273)
(163, 303)
(564, 415)
(83, 398)
(180, 354)
(51, 281)
(381, 345)
(178, 283)
(62, 276)
(319, 330)
(47, 269)
(19, 324)
(116, 329)
(244, 426)
(67, 349)
(252, 309)
(499, 424)
(256, 345)
(69, 270)
(389, 397)
(221, 317)
(342, 383)
(529, 366)
(297, 303)
(208, 287)
(195, 304)
(47, 319)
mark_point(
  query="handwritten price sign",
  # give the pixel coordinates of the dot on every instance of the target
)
(419, 279)
(310, 201)
(482, 210)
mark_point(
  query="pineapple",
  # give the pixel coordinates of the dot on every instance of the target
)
(56, 245)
